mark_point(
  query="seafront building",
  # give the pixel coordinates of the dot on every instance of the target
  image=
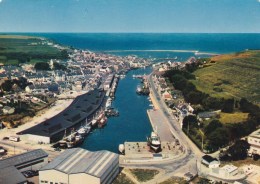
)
(54, 129)
(77, 165)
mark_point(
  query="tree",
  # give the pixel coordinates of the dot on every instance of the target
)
(42, 66)
(212, 126)
(218, 138)
(179, 82)
(228, 105)
(58, 66)
(212, 103)
(189, 121)
(194, 97)
(64, 54)
(203, 181)
(7, 85)
(238, 151)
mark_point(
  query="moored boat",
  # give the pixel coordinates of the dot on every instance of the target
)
(154, 142)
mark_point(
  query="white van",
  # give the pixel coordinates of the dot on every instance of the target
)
(14, 138)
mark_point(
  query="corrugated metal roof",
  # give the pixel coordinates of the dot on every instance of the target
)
(79, 160)
(23, 158)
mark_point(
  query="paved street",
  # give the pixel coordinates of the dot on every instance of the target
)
(158, 120)
(187, 162)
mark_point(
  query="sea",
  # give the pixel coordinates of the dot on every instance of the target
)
(133, 123)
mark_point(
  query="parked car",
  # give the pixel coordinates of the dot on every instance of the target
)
(14, 138)
(30, 173)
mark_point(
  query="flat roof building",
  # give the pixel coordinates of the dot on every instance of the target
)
(79, 166)
(53, 129)
(254, 141)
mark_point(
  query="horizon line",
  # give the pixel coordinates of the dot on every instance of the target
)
(135, 32)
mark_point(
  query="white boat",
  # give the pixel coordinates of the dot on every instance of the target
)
(84, 130)
(154, 142)
(138, 89)
(122, 76)
(121, 148)
(94, 122)
(108, 103)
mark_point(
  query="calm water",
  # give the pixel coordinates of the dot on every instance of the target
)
(103, 42)
(133, 123)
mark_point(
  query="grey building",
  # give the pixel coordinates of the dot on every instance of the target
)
(79, 166)
(11, 168)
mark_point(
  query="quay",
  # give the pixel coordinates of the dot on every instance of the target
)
(158, 120)
(140, 151)
(53, 129)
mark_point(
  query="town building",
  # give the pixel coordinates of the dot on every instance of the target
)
(210, 162)
(79, 166)
(254, 141)
(11, 168)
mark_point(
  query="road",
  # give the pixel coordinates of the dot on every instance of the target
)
(188, 161)
(18, 148)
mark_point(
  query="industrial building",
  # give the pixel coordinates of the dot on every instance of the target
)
(11, 168)
(53, 129)
(79, 166)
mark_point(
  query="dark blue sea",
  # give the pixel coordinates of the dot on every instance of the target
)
(133, 123)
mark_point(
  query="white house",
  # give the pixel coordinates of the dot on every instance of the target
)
(210, 162)
(8, 110)
(254, 141)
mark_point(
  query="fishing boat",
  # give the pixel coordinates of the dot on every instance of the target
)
(102, 122)
(84, 130)
(93, 122)
(154, 142)
(108, 103)
(139, 89)
(74, 140)
(111, 112)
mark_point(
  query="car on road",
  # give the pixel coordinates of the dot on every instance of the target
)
(189, 176)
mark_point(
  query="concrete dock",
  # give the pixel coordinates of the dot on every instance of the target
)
(141, 151)
(158, 120)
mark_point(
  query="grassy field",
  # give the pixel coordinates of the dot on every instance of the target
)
(122, 179)
(15, 49)
(143, 175)
(235, 117)
(232, 75)
(175, 180)
(240, 163)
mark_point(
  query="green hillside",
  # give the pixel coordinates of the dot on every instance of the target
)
(20, 49)
(231, 75)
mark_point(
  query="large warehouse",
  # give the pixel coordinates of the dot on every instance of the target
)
(53, 129)
(79, 166)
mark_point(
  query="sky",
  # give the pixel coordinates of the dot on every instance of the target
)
(152, 16)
